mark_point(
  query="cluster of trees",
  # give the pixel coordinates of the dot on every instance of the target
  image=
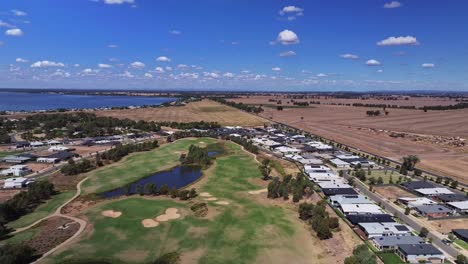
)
(409, 164)
(191, 125)
(299, 186)
(384, 106)
(25, 202)
(191, 133)
(196, 155)
(168, 258)
(445, 107)
(301, 103)
(447, 182)
(247, 144)
(265, 169)
(241, 106)
(74, 168)
(152, 189)
(361, 255)
(373, 113)
(4, 137)
(120, 151)
(319, 219)
(16, 254)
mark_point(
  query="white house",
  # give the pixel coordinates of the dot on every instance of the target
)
(460, 207)
(385, 229)
(16, 170)
(433, 191)
(36, 144)
(16, 183)
(339, 163)
(420, 253)
(412, 202)
(361, 209)
(47, 160)
(58, 148)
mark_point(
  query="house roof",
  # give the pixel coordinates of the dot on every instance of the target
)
(433, 191)
(416, 201)
(383, 228)
(339, 162)
(361, 208)
(419, 249)
(432, 208)
(335, 191)
(373, 218)
(413, 185)
(463, 205)
(386, 241)
(455, 197)
(338, 183)
(461, 233)
(61, 155)
(350, 199)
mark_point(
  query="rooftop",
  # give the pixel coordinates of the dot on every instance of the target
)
(361, 208)
(386, 241)
(432, 208)
(463, 205)
(433, 191)
(419, 249)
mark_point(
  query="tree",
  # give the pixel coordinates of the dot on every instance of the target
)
(364, 255)
(139, 189)
(380, 180)
(193, 193)
(333, 222)
(424, 232)
(461, 259)
(323, 230)
(454, 184)
(168, 258)
(447, 181)
(164, 190)
(351, 260)
(16, 254)
(407, 211)
(305, 211)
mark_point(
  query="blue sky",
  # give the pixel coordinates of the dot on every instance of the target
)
(234, 44)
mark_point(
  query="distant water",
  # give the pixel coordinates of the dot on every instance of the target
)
(14, 101)
(178, 177)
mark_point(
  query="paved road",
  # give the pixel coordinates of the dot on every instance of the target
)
(394, 209)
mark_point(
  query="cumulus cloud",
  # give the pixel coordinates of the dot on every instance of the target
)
(126, 74)
(163, 59)
(428, 65)
(349, 56)
(292, 12)
(182, 66)
(47, 64)
(211, 74)
(159, 70)
(380, 71)
(287, 37)
(15, 32)
(104, 66)
(137, 65)
(393, 4)
(118, 2)
(322, 75)
(5, 24)
(21, 60)
(398, 41)
(287, 53)
(18, 12)
(175, 32)
(276, 69)
(148, 75)
(228, 74)
(60, 73)
(373, 62)
(88, 71)
(112, 46)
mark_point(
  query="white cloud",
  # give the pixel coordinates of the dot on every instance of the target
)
(287, 53)
(373, 62)
(322, 75)
(118, 2)
(46, 64)
(5, 24)
(104, 66)
(137, 65)
(148, 75)
(380, 71)
(211, 74)
(88, 71)
(112, 46)
(76, 65)
(182, 66)
(19, 12)
(168, 68)
(175, 32)
(127, 74)
(15, 32)
(428, 65)
(228, 74)
(60, 73)
(159, 70)
(398, 41)
(349, 56)
(276, 69)
(163, 59)
(287, 37)
(21, 60)
(292, 11)
(393, 4)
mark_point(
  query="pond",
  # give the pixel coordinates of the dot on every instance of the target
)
(177, 177)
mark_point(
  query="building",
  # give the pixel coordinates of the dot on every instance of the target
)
(339, 163)
(447, 198)
(420, 253)
(59, 148)
(16, 183)
(412, 202)
(374, 218)
(16, 170)
(392, 242)
(57, 157)
(348, 209)
(338, 191)
(336, 184)
(461, 234)
(287, 150)
(36, 144)
(338, 200)
(433, 191)
(433, 210)
(413, 185)
(319, 146)
(459, 207)
(16, 159)
(384, 229)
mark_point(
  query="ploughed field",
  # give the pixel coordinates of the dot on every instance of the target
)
(437, 137)
(205, 110)
(239, 227)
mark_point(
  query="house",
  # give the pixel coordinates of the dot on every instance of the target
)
(455, 197)
(384, 229)
(362, 163)
(461, 234)
(413, 185)
(412, 202)
(62, 155)
(348, 209)
(459, 207)
(53, 142)
(47, 160)
(420, 253)
(323, 177)
(337, 200)
(16, 170)
(16, 159)
(287, 150)
(316, 168)
(319, 146)
(336, 184)
(22, 145)
(338, 191)
(16, 183)
(36, 144)
(433, 191)
(355, 219)
(391, 242)
(339, 163)
(433, 210)
(59, 148)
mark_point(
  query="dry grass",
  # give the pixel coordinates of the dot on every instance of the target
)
(392, 192)
(205, 110)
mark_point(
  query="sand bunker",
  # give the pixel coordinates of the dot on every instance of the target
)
(171, 213)
(211, 199)
(149, 223)
(205, 194)
(258, 191)
(111, 213)
(222, 203)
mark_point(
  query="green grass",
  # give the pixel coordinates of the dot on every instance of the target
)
(22, 236)
(461, 243)
(390, 258)
(137, 166)
(236, 234)
(385, 177)
(277, 166)
(8, 153)
(42, 211)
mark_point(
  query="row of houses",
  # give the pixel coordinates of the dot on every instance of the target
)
(54, 157)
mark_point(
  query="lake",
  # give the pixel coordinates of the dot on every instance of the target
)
(16, 101)
(177, 177)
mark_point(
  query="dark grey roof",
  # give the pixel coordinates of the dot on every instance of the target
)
(419, 249)
(386, 241)
(374, 218)
(432, 208)
(62, 155)
(417, 185)
(461, 233)
(451, 197)
(336, 191)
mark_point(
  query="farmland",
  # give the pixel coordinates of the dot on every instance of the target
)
(196, 111)
(437, 137)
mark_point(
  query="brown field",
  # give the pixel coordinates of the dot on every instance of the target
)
(392, 192)
(197, 111)
(432, 136)
(445, 226)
